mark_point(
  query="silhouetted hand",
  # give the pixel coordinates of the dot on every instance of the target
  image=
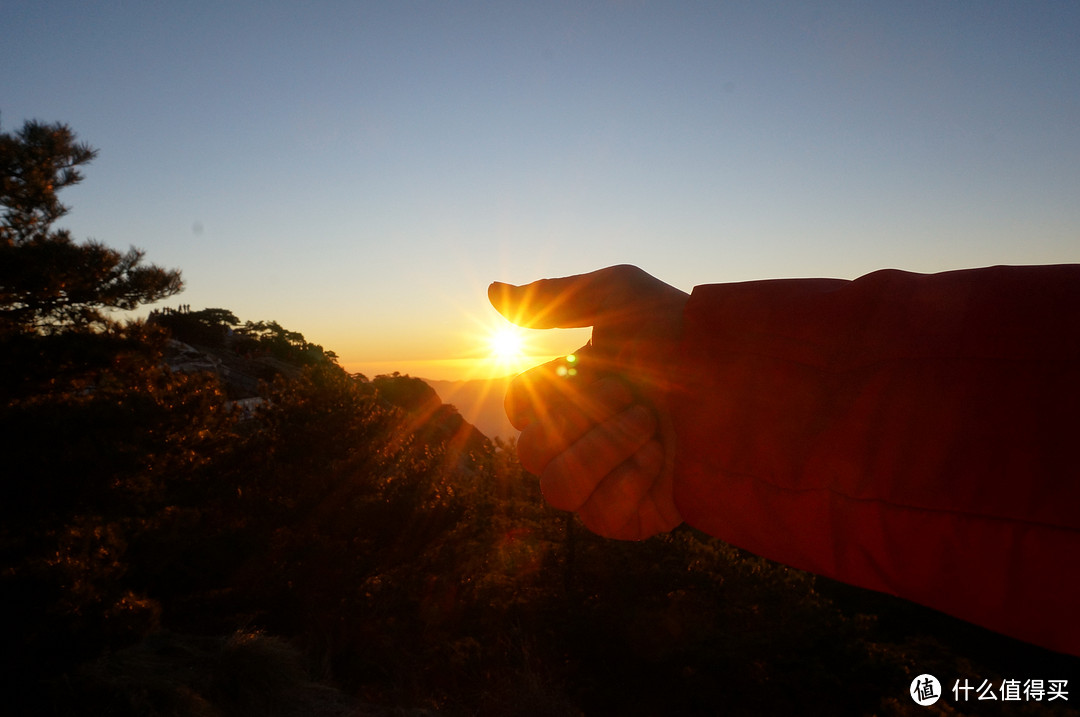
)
(594, 425)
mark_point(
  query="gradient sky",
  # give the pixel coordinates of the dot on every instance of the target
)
(359, 172)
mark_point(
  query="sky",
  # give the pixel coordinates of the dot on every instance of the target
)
(361, 171)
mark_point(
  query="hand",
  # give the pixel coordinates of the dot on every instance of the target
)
(594, 426)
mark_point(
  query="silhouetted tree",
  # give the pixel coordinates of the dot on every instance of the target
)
(35, 164)
(216, 317)
(208, 327)
(291, 346)
(49, 283)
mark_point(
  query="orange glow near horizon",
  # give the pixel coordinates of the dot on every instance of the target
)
(457, 369)
(470, 344)
(492, 349)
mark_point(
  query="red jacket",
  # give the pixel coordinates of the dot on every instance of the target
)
(913, 434)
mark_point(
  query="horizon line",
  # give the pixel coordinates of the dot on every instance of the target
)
(453, 369)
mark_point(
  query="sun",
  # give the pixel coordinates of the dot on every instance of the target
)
(506, 344)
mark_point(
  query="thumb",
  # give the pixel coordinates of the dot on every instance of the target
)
(565, 303)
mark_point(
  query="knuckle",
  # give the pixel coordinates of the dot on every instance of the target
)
(631, 427)
(650, 458)
(533, 451)
(563, 489)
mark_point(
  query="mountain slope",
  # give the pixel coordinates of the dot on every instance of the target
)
(480, 402)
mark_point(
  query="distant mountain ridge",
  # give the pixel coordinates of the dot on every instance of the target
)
(480, 402)
(245, 378)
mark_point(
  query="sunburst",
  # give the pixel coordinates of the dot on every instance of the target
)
(506, 345)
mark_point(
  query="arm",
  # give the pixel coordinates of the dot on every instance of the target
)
(908, 433)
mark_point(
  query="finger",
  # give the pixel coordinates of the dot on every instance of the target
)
(531, 394)
(547, 390)
(567, 302)
(542, 441)
(658, 513)
(614, 510)
(572, 476)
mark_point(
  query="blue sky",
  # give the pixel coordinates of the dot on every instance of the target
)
(361, 171)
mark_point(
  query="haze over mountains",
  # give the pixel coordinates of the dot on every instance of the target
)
(480, 402)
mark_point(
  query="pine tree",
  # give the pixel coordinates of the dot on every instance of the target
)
(49, 283)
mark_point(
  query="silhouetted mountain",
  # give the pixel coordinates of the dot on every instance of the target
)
(246, 377)
(430, 418)
(480, 402)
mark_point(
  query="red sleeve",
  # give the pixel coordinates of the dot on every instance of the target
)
(913, 434)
